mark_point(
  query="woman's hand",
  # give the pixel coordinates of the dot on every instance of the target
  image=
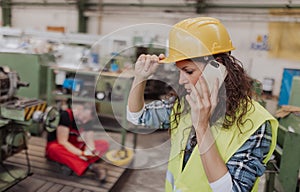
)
(202, 104)
(88, 154)
(146, 65)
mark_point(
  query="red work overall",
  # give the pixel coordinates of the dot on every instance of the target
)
(57, 152)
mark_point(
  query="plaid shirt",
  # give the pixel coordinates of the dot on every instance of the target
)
(244, 166)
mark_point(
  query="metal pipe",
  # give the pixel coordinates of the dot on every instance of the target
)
(103, 4)
(237, 17)
(249, 6)
(165, 5)
(153, 5)
(42, 4)
(203, 5)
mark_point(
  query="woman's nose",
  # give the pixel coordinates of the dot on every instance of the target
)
(182, 78)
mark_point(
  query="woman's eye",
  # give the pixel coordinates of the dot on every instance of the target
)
(189, 72)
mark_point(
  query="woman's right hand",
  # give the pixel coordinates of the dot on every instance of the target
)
(88, 154)
(146, 65)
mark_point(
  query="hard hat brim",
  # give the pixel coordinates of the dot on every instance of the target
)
(176, 58)
(166, 61)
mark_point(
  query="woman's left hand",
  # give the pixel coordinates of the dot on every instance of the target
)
(202, 103)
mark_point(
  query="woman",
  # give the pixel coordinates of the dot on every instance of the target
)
(77, 149)
(221, 139)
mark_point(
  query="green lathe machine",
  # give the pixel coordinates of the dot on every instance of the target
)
(16, 114)
(283, 171)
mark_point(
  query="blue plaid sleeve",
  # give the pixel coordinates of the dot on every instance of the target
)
(247, 163)
(157, 114)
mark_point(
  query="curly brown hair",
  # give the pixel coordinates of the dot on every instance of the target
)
(235, 94)
(238, 88)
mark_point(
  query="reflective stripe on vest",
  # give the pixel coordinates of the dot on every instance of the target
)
(170, 178)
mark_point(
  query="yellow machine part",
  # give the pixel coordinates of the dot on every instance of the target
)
(120, 157)
(30, 110)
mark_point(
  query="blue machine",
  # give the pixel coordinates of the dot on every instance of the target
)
(286, 85)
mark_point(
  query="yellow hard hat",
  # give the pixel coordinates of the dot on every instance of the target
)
(197, 37)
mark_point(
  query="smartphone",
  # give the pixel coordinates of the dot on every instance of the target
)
(212, 71)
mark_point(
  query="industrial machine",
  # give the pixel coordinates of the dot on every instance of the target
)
(16, 114)
(283, 170)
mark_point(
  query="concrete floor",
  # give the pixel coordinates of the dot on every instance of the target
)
(152, 177)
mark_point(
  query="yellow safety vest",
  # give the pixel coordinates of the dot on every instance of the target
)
(228, 141)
